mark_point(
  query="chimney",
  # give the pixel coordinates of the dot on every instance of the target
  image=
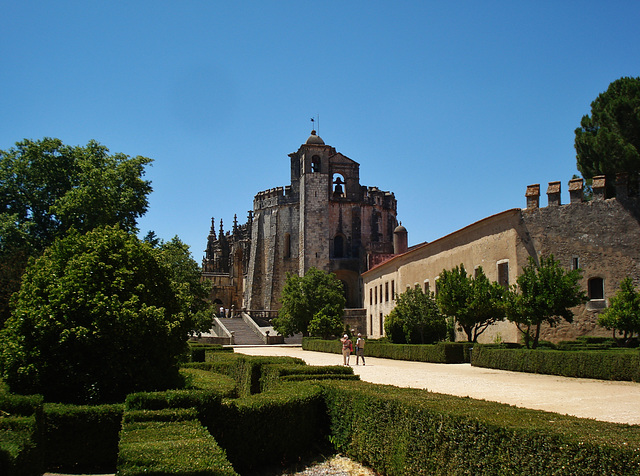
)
(576, 187)
(553, 194)
(599, 187)
(533, 196)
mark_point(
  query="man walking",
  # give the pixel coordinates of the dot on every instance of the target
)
(360, 349)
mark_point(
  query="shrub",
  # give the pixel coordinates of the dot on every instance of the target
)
(603, 365)
(406, 431)
(276, 426)
(182, 447)
(443, 352)
(274, 373)
(201, 379)
(197, 351)
(246, 370)
(20, 435)
(101, 294)
(81, 438)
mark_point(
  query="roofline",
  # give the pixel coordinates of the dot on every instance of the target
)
(417, 247)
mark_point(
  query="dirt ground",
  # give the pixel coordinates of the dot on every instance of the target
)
(617, 402)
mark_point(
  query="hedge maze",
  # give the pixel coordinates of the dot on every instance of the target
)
(237, 414)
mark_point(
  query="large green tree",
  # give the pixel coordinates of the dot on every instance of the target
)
(623, 314)
(316, 295)
(190, 289)
(96, 318)
(474, 302)
(415, 319)
(48, 188)
(608, 140)
(544, 293)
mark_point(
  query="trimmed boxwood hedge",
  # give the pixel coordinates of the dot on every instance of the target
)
(197, 350)
(273, 374)
(246, 370)
(399, 431)
(603, 364)
(441, 353)
(174, 447)
(20, 434)
(393, 430)
(81, 438)
(273, 427)
(207, 380)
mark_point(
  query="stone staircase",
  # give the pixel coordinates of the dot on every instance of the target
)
(242, 333)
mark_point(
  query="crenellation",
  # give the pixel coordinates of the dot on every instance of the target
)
(553, 194)
(599, 185)
(576, 190)
(533, 196)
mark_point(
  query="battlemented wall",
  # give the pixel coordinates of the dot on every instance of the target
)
(600, 236)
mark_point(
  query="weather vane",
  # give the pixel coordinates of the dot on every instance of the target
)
(313, 123)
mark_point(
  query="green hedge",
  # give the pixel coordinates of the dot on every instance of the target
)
(81, 438)
(246, 370)
(603, 365)
(273, 427)
(272, 374)
(442, 352)
(166, 414)
(399, 431)
(207, 380)
(170, 448)
(207, 403)
(20, 435)
(197, 350)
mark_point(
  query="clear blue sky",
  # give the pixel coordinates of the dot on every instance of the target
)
(454, 106)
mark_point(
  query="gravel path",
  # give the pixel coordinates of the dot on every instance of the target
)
(617, 402)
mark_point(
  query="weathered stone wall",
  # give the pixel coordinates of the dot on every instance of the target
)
(601, 237)
(604, 237)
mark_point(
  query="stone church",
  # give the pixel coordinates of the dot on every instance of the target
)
(325, 219)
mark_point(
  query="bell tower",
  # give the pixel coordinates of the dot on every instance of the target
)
(315, 190)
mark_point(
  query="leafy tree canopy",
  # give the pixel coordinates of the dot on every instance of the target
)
(608, 140)
(544, 293)
(415, 319)
(475, 303)
(48, 188)
(318, 294)
(623, 314)
(96, 318)
(191, 291)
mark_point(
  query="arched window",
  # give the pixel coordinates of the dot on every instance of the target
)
(596, 288)
(338, 185)
(338, 247)
(315, 164)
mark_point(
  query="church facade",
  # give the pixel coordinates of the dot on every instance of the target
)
(325, 219)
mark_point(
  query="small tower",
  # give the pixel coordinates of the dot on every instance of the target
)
(400, 240)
